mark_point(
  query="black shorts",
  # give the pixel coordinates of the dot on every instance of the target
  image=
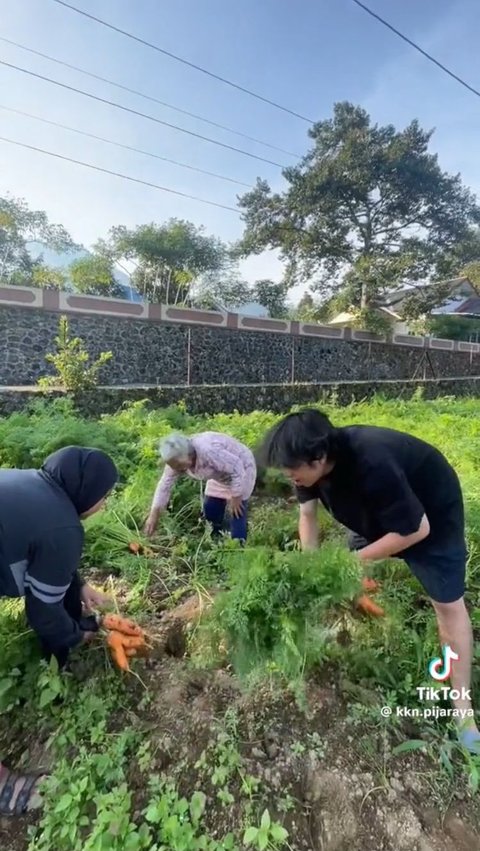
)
(441, 572)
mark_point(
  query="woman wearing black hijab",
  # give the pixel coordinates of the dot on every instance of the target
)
(41, 541)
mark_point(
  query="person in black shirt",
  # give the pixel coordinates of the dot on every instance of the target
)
(398, 497)
(41, 541)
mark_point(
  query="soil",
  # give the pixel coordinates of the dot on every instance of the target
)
(333, 787)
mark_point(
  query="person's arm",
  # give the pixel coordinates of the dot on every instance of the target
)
(392, 543)
(50, 572)
(161, 498)
(163, 491)
(396, 510)
(308, 525)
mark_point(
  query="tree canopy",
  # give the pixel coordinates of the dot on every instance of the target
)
(366, 208)
(93, 275)
(168, 257)
(18, 226)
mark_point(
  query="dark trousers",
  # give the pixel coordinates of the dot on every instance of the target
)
(214, 511)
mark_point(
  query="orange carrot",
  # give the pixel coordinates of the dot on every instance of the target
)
(366, 605)
(115, 643)
(134, 642)
(134, 547)
(370, 584)
(123, 625)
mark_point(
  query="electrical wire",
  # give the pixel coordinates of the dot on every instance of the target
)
(121, 145)
(415, 46)
(118, 174)
(184, 61)
(141, 114)
(148, 97)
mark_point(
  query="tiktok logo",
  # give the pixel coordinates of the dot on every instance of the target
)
(441, 667)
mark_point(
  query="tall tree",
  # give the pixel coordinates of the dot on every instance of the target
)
(93, 275)
(227, 290)
(366, 208)
(169, 258)
(48, 278)
(272, 296)
(18, 226)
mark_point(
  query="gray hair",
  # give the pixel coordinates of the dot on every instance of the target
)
(175, 447)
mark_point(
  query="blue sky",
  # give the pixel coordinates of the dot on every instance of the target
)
(305, 55)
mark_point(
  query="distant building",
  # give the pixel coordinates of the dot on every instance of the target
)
(463, 300)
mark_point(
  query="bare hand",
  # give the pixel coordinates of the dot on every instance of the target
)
(236, 506)
(88, 636)
(151, 524)
(92, 599)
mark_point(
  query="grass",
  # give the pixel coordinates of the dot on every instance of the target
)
(281, 619)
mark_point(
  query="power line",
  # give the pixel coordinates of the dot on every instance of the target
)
(126, 147)
(119, 174)
(185, 61)
(148, 97)
(141, 114)
(414, 45)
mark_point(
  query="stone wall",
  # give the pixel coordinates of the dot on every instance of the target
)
(205, 399)
(161, 345)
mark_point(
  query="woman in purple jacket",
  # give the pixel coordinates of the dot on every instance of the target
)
(227, 466)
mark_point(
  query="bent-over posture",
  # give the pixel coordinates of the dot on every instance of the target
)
(227, 466)
(41, 541)
(399, 497)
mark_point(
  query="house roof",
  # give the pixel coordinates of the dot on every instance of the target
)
(470, 306)
(346, 317)
(396, 296)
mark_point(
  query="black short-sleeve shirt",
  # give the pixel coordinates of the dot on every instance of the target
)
(385, 481)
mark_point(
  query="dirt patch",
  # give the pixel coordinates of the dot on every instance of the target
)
(254, 750)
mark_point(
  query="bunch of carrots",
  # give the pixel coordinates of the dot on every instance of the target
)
(124, 639)
(365, 604)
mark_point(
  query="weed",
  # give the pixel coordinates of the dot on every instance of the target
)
(268, 835)
(279, 614)
(71, 361)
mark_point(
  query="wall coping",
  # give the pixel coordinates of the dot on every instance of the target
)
(74, 303)
(119, 388)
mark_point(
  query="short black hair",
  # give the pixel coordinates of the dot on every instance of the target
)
(299, 438)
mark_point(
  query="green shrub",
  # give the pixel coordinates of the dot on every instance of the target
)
(276, 611)
(71, 361)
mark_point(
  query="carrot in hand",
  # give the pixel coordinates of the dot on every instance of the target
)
(366, 605)
(115, 643)
(123, 625)
(133, 642)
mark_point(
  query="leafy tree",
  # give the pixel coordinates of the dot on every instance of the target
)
(227, 291)
(48, 278)
(169, 258)
(93, 275)
(309, 309)
(71, 361)
(19, 225)
(271, 295)
(462, 259)
(368, 205)
(453, 327)
(472, 272)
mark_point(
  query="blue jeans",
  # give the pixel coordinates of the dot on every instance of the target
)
(214, 512)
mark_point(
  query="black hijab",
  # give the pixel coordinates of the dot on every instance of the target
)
(86, 475)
